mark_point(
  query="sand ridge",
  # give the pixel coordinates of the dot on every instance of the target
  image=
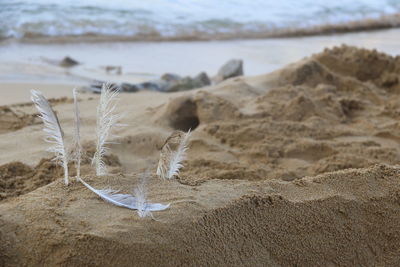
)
(310, 120)
(328, 218)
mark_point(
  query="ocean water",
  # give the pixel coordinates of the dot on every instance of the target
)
(177, 18)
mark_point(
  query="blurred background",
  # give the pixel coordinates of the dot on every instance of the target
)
(75, 42)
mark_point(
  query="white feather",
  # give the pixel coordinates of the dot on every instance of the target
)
(77, 136)
(178, 156)
(163, 163)
(141, 197)
(123, 200)
(170, 161)
(106, 119)
(52, 128)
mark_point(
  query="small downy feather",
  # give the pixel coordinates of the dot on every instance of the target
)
(171, 160)
(140, 193)
(106, 120)
(53, 130)
(77, 136)
(123, 200)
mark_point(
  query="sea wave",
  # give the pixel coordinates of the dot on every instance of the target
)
(154, 35)
(159, 20)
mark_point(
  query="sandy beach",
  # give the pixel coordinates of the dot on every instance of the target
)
(141, 61)
(26, 66)
(293, 164)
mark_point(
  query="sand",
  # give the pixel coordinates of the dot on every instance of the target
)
(292, 168)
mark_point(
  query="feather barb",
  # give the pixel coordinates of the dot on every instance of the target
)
(53, 130)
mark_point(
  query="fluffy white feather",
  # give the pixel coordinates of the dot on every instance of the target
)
(171, 160)
(106, 120)
(53, 130)
(77, 136)
(123, 200)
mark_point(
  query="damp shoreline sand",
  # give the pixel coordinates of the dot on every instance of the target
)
(31, 63)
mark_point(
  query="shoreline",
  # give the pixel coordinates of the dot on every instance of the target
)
(364, 25)
(144, 61)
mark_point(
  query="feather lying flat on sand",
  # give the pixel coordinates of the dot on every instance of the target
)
(171, 159)
(53, 130)
(124, 200)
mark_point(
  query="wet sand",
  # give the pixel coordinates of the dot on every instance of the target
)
(142, 61)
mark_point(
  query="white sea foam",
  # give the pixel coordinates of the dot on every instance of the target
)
(177, 18)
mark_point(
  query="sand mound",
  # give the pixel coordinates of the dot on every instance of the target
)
(276, 232)
(326, 219)
(269, 178)
(17, 178)
(382, 69)
(328, 112)
(186, 112)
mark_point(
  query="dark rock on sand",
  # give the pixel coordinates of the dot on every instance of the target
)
(202, 79)
(232, 68)
(188, 83)
(68, 62)
(113, 69)
(156, 85)
(170, 77)
(168, 83)
(129, 87)
(95, 87)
